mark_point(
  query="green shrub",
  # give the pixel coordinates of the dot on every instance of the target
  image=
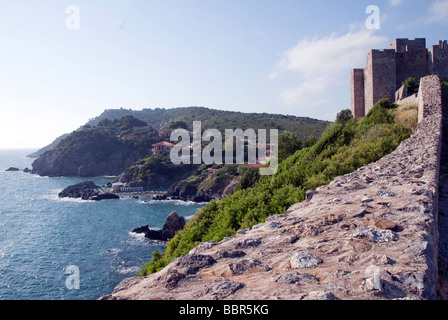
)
(412, 85)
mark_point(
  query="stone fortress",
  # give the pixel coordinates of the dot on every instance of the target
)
(386, 70)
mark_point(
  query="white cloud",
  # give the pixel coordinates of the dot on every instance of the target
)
(394, 3)
(324, 65)
(438, 12)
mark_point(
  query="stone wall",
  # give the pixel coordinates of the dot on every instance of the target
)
(411, 100)
(411, 63)
(370, 234)
(402, 44)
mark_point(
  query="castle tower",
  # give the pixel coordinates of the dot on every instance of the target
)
(438, 59)
(379, 77)
(411, 60)
(357, 93)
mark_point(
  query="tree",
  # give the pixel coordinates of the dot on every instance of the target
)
(444, 83)
(412, 85)
(311, 141)
(288, 145)
(343, 116)
(178, 125)
(129, 122)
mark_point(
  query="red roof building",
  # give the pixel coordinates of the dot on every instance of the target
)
(163, 148)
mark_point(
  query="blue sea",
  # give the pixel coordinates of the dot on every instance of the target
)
(42, 236)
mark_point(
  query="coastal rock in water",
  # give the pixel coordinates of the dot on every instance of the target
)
(173, 223)
(105, 196)
(12, 169)
(86, 191)
(83, 190)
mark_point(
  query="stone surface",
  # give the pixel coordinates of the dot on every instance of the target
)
(304, 260)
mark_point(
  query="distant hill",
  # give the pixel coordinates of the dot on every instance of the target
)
(158, 118)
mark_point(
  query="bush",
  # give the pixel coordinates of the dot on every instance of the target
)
(412, 85)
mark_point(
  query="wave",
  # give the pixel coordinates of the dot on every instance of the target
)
(55, 197)
(114, 251)
(139, 236)
(174, 202)
(128, 270)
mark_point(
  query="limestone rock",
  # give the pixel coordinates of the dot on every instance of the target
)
(304, 260)
(382, 223)
(222, 288)
(376, 235)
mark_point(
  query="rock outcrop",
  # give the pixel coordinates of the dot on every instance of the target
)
(173, 224)
(370, 234)
(86, 191)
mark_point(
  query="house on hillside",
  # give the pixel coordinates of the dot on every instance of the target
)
(163, 148)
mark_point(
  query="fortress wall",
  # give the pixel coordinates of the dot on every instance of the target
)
(429, 98)
(368, 235)
(413, 99)
(411, 63)
(402, 44)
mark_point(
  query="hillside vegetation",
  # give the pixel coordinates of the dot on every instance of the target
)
(344, 147)
(107, 144)
(158, 118)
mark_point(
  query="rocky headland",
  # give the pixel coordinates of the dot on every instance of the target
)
(371, 234)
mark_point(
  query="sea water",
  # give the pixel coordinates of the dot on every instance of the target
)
(42, 236)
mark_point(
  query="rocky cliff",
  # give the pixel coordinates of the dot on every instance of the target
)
(93, 152)
(370, 234)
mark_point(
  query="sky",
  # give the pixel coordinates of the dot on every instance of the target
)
(64, 62)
